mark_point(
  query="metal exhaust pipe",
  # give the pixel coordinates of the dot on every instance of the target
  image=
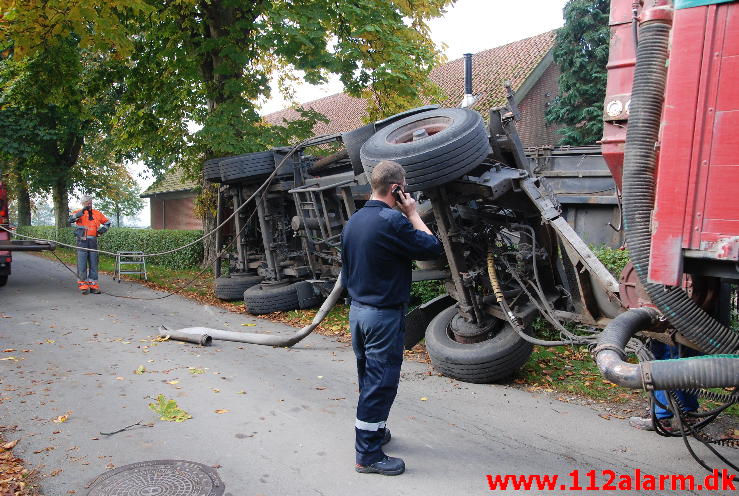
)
(469, 99)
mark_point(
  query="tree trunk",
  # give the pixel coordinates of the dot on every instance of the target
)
(60, 196)
(24, 203)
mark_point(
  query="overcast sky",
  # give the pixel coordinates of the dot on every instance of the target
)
(469, 26)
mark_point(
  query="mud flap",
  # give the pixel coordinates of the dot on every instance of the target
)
(419, 318)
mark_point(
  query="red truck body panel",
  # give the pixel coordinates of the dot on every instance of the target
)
(697, 196)
(697, 193)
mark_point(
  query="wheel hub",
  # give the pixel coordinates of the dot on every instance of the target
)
(466, 332)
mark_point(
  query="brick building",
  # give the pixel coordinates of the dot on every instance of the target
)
(171, 202)
(528, 64)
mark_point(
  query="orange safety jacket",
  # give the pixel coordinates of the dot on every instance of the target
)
(91, 226)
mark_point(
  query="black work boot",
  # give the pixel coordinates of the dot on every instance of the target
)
(387, 466)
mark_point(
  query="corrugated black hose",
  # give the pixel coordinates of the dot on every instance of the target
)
(638, 193)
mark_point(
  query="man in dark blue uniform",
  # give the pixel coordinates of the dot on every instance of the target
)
(378, 247)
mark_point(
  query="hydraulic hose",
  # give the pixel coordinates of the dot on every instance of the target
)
(263, 339)
(639, 192)
(683, 373)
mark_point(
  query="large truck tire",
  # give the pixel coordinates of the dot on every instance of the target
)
(488, 361)
(268, 298)
(211, 170)
(456, 143)
(247, 166)
(3, 280)
(232, 288)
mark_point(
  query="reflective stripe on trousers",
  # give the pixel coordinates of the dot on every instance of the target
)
(377, 340)
(87, 261)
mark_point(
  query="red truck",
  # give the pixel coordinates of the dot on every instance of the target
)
(7, 246)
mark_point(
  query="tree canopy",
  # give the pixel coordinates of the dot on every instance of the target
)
(178, 82)
(581, 52)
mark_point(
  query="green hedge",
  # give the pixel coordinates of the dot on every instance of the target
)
(128, 239)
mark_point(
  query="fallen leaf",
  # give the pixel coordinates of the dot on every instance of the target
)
(10, 445)
(241, 392)
(173, 382)
(320, 388)
(216, 390)
(110, 466)
(9, 350)
(62, 418)
(56, 472)
(15, 359)
(424, 399)
(248, 325)
(140, 370)
(222, 410)
(50, 341)
(119, 379)
(48, 448)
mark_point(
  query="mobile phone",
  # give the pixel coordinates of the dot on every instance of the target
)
(398, 194)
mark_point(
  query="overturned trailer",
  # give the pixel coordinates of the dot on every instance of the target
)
(510, 256)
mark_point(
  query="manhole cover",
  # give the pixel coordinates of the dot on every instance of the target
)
(159, 478)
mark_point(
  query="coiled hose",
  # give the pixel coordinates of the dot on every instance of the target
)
(638, 192)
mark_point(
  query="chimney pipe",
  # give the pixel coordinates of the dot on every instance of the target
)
(468, 99)
(468, 73)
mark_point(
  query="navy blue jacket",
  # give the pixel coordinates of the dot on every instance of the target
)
(378, 247)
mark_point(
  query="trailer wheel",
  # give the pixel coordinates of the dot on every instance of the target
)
(3, 280)
(232, 288)
(488, 361)
(267, 298)
(455, 143)
(247, 166)
(211, 170)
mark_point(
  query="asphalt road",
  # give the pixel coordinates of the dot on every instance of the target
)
(288, 429)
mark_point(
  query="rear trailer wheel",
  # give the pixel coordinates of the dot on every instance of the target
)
(3, 280)
(434, 147)
(232, 288)
(493, 359)
(270, 297)
(247, 166)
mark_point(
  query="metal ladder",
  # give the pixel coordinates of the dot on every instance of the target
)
(125, 262)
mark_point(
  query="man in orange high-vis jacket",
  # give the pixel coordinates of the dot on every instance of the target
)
(89, 224)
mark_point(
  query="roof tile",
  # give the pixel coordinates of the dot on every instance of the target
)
(513, 62)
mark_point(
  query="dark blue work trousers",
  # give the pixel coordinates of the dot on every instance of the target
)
(377, 339)
(87, 261)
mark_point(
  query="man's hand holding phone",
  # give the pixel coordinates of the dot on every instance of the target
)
(405, 202)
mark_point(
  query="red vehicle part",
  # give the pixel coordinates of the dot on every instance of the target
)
(696, 206)
(621, 62)
(5, 256)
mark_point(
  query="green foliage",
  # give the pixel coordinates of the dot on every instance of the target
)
(168, 410)
(581, 52)
(427, 290)
(614, 260)
(128, 239)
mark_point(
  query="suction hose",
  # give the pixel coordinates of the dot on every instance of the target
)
(683, 373)
(638, 193)
(263, 339)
